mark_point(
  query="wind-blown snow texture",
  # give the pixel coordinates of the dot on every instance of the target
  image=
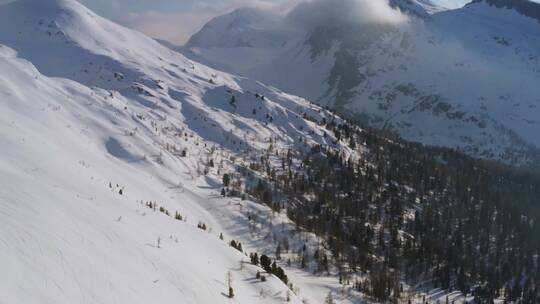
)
(94, 119)
(464, 78)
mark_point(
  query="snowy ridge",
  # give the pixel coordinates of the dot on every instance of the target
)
(420, 8)
(525, 7)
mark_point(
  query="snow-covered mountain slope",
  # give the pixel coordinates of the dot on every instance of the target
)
(525, 7)
(97, 121)
(66, 235)
(462, 78)
(86, 48)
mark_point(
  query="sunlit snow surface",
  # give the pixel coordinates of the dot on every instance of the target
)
(93, 122)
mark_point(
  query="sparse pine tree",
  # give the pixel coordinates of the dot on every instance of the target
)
(229, 278)
(266, 263)
(254, 258)
(226, 180)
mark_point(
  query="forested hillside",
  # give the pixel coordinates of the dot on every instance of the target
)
(404, 212)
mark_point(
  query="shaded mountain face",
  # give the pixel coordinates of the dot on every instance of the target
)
(344, 41)
(462, 78)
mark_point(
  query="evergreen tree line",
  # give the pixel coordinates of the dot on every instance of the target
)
(405, 211)
(270, 267)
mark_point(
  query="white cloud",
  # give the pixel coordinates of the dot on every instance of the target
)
(317, 12)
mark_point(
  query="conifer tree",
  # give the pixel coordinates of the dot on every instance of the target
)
(229, 278)
(226, 180)
(266, 263)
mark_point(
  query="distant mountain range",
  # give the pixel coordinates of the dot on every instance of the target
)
(464, 78)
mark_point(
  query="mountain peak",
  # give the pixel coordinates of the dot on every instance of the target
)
(40, 29)
(249, 11)
(244, 27)
(46, 6)
(244, 17)
(419, 8)
(61, 11)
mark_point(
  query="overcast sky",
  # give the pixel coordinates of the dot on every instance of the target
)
(176, 20)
